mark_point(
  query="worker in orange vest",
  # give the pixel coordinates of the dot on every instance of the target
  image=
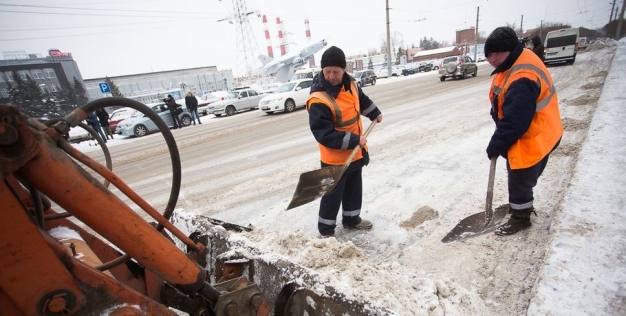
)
(335, 108)
(525, 108)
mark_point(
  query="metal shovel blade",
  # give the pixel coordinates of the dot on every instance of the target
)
(315, 184)
(477, 224)
(480, 223)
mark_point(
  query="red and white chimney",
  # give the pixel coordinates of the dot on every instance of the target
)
(308, 39)
(270, 52)
(281, 39)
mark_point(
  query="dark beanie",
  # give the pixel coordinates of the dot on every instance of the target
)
(334, 56)
(502, 39)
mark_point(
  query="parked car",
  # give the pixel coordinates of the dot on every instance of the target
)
(424, 67)
(365, 77)
(119, 115)
(435, 63)
(288, 97)
(382, 72)
(457, 67)
(78, 134)
(407, 71)
(140, 125)
(236, 101)
(205, 100)
(307, 73)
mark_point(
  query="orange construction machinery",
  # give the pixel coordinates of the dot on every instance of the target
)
(69, 246)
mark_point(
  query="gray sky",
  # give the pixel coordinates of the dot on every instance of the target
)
(126, 37)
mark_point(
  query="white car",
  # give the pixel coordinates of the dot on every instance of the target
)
(288, 97)
(237, 100)
(140, 125)
(395, 72)
(205, 100)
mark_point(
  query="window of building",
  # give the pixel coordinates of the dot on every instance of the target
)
(37, 74)
(49, 72)
(1, 77)
(53, 88)
(9, 76)
(23, 74)
(44, 88)
(4, 93)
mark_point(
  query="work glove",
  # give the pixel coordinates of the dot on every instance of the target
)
(491, 152)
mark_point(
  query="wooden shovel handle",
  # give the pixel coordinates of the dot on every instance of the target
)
(356, 149)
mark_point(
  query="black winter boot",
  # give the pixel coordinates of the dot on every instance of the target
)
(519, 220)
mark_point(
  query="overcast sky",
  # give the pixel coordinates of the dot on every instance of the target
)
(117, 37)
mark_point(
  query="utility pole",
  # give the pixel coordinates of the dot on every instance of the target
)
(476, 34)
(521, 26)
(388, 43)
(619, 22)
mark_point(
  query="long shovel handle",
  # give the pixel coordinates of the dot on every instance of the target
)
(356, 149)
(489, 202)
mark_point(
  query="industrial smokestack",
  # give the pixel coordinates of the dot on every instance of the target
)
(308, 39)
(281, 39)
(270, 52)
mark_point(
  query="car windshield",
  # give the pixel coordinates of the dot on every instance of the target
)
(449, 60)
(121, 115)
(286, 87)
(232, 95)
(358, 74)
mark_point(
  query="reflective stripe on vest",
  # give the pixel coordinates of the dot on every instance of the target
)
(541, 104)
(337, 114)
(352, 125)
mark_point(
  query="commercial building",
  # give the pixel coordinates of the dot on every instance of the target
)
(50, 72)
(153, 86)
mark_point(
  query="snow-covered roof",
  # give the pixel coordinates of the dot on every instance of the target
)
(434, 51)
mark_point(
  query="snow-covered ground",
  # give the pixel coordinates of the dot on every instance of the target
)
(429, 171)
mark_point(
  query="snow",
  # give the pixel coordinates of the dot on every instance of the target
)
(428, 171)
(585, 272)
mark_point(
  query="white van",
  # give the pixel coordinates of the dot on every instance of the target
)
(305, 73)
(561, 46)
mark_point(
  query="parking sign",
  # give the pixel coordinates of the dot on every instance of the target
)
(104, 87)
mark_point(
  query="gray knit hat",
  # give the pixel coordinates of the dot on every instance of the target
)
(502, 39)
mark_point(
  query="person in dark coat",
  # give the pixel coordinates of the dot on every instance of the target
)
(538, 47)
(92, 119)
(525, 109)
(336, 106)
(192, 106)
(103, 117)
(172, 106)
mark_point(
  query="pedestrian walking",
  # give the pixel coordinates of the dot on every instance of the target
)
(103, 118)
(192, 106)
(95, 124)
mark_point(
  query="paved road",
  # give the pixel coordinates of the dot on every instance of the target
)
(216, 156)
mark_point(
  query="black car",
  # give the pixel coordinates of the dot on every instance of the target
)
(425, 67)
(365, 77)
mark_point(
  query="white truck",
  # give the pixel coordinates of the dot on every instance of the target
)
(561, 46)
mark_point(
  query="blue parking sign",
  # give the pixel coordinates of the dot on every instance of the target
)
(104, 87)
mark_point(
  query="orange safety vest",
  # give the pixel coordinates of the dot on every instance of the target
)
(546, 127)
(346, 112)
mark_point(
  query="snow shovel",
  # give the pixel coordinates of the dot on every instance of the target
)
(317, 183)
(479, 223)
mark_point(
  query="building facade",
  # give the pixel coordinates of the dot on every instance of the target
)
(137, 86)
(50, 72)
